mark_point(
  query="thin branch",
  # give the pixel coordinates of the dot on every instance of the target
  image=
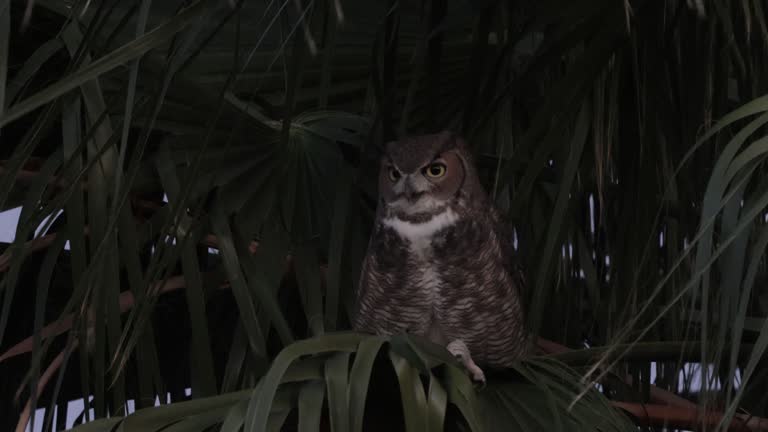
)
(44, 242)
(126, 301)
(34, 245)
(49, 371)
(65, 324)
(669, 350)
(657, 394)
(674, 411)
(212, 241)
(54, 329)
(28, 175)
(685, 418)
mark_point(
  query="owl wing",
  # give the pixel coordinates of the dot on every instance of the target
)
(514, 267)
(366, 313)
(386, 302)
(361, 320)
(506, 237)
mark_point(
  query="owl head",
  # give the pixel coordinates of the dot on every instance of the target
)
(421, 175)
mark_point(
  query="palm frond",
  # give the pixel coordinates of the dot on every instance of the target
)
(196, 183)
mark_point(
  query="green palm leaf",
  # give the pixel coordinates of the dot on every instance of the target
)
(197, 184)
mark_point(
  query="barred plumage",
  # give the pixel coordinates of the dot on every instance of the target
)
(439, 262)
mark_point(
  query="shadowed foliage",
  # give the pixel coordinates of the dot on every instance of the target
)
(197, 182)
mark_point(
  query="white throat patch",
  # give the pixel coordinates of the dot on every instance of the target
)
(420, 234)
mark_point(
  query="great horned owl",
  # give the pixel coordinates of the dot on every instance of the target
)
(439, 262)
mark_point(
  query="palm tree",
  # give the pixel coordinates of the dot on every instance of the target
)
(196, 188)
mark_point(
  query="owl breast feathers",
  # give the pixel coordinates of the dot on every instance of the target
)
(439, 263)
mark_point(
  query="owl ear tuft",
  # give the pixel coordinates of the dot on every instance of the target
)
(378, 149)
(446, 135)
(451, 140)
(460, 141)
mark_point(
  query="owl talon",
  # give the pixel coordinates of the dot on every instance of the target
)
(461, 352)
(477, 374)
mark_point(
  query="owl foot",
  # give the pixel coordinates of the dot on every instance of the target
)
(461, 352)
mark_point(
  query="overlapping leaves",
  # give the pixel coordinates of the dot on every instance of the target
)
(328, 377)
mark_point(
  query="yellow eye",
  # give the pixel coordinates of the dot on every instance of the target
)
(394, 174)
(436, 170)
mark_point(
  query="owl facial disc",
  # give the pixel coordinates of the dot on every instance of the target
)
(421, 177)
(413, 197)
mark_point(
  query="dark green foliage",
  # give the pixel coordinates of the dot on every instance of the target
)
(624, 141)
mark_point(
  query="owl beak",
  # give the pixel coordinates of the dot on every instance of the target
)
(411, 192)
